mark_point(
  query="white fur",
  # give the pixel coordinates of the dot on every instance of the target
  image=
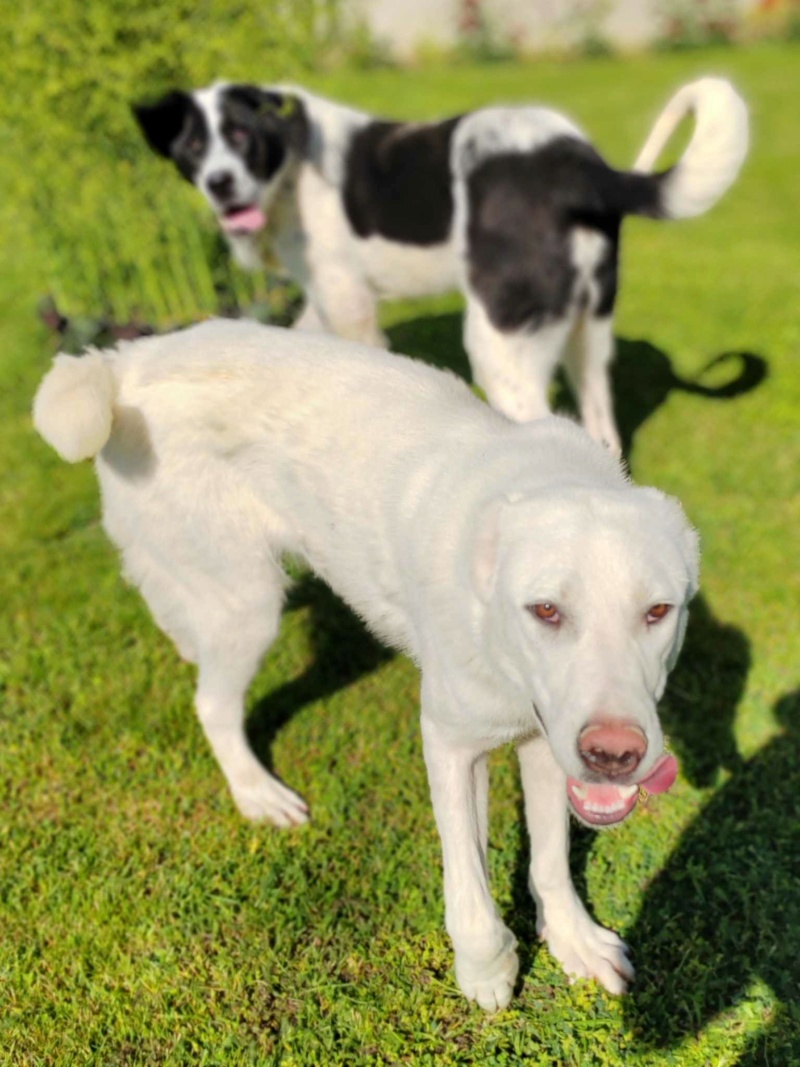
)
(715, 153)
(72, 410)
(438, 521)
(494, 130)
(332, 129)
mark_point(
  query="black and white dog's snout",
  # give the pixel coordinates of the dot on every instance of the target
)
(221, 185)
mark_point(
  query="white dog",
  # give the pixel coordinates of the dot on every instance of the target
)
(541, 594)
(511, 205)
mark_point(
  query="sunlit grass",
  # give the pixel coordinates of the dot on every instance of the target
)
(145, 923)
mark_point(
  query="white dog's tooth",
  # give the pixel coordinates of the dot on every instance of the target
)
(627, 791)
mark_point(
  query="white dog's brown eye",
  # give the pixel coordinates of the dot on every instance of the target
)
(545, 611)
(657, 613)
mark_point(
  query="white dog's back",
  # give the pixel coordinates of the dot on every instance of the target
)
(233, 442)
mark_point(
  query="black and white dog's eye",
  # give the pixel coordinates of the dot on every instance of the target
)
(196, 146)
(239, 135)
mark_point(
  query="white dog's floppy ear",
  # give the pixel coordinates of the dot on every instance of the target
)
(691, 548)
(691, 556)
(690, 545)
(677, 641)
(484, 553)
(484, 558)
(688, 537)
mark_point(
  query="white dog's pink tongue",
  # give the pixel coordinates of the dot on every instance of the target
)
(662, 776)
(603, 805)
(248, 220)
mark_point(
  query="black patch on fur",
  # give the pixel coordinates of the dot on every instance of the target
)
(523, 208)
(264, 127)
(398, 182)
(175, 127)
(261, 126)
(607, 277)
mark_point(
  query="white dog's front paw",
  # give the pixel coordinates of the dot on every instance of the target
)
(586, 950)
(491, 985)
(270, 800)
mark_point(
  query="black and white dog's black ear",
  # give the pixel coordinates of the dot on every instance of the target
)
(276, 113)
(163, 121)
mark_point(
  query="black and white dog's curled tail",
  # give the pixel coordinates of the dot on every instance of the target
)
(74, 406)
(714, 155)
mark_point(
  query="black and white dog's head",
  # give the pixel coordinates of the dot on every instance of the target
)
(234, 142)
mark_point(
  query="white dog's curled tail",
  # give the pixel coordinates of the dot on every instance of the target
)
(714, 155)
(74, 405)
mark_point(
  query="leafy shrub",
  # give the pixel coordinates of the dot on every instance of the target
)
(114, 232)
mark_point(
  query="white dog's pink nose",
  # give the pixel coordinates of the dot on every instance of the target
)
(612, 749)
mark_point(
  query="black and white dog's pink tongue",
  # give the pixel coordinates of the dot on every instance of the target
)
(248, 220)
(662, 776)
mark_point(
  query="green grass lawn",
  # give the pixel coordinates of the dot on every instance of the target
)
(143, 922)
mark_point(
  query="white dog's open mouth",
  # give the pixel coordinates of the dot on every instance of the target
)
(604, 805)
(244, 220)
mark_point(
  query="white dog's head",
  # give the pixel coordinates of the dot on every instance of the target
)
(585, 597)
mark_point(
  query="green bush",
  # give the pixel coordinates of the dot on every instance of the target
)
(113, 232)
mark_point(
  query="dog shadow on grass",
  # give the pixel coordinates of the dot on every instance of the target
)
(643, 375)
(722, 920)
(342, 652)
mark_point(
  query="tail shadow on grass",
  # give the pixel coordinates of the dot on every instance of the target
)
(343, 652)
(697, 714)
(643, 378)
(642, 375)
(724, 913)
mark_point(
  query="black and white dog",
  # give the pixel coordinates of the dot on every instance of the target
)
(510, 204)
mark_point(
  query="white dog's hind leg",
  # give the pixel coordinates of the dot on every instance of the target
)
(229, 653)
(514, 369)
(584, 949)
(485, 949)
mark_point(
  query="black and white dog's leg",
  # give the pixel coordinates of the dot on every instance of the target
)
(346, 305)
(587, 362)
(514, 369)
(485, 949)
(230, 649)
(310, 320)
(584, 949)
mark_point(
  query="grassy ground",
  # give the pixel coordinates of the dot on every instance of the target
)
(145, 923)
